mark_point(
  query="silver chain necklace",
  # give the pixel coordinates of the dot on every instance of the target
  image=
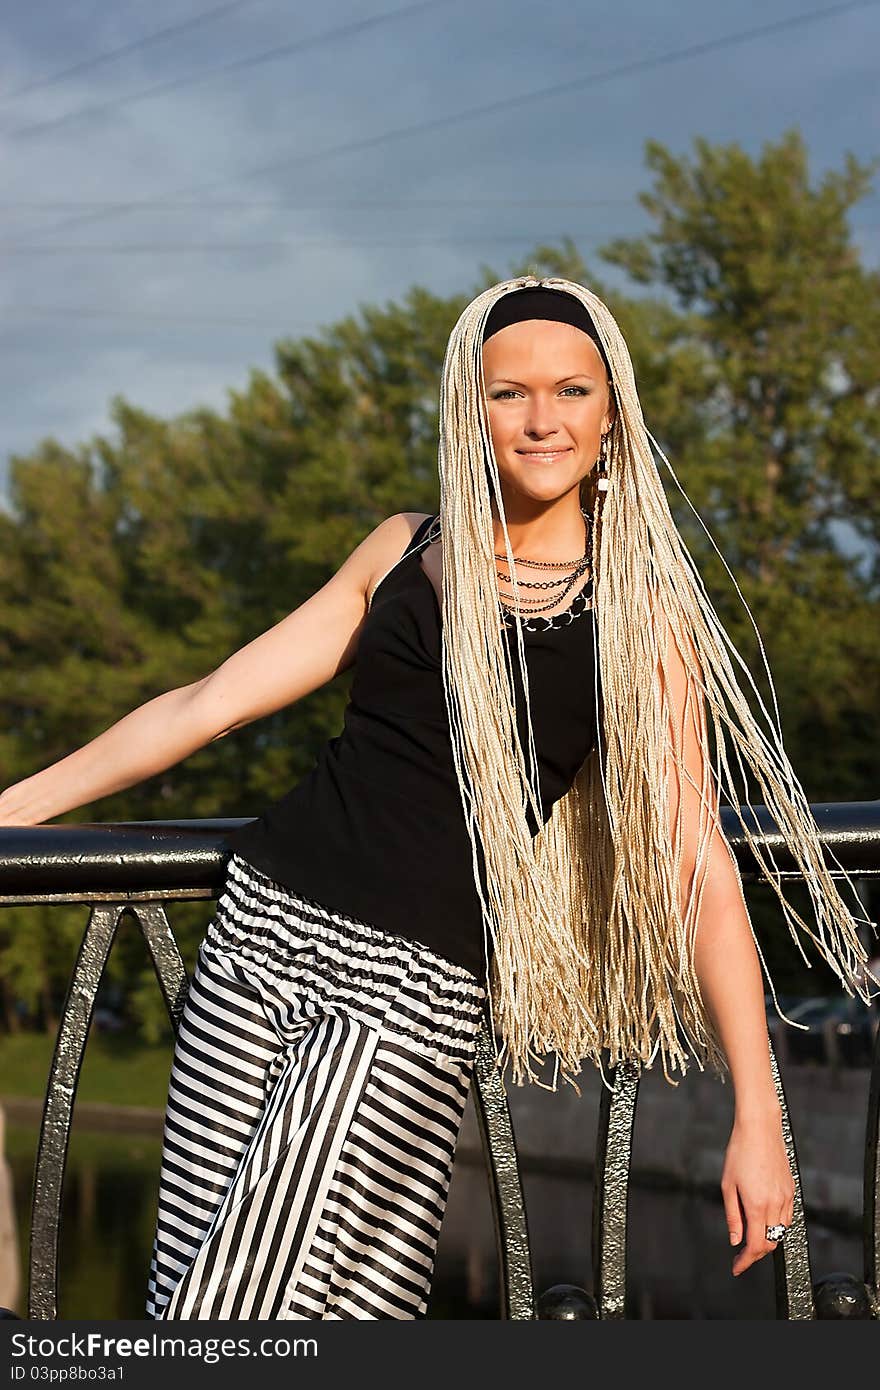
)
(534, 604)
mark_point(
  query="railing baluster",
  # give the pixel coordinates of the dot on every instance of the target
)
(791, 1258)
(54, 1139)
(614, 1132)
(502, 1166)
(872, 1184)
(73, 1031)
(165, 955)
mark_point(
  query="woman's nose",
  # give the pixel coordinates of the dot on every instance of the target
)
(541, 419)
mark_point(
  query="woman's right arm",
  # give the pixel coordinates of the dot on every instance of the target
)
(299, 654)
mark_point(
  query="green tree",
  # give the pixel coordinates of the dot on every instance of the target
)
(772, 418)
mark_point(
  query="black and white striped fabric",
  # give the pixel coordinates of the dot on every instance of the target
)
(317, 1090)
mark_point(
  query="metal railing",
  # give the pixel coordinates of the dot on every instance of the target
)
(141, 867)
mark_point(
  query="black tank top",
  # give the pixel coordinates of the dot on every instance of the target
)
(376, 830)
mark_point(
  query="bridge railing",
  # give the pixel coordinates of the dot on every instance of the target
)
(143, 867)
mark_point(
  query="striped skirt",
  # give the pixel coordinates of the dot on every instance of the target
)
(319, 1081)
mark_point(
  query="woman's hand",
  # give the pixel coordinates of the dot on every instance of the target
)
(16, 808)
(757, 1185)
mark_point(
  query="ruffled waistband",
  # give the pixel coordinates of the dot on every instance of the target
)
(293, 943)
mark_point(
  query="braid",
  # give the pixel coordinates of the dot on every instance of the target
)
(592, 947)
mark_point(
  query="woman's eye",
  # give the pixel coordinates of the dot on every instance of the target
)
(499, 395)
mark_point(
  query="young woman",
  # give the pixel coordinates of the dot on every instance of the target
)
(520, 815)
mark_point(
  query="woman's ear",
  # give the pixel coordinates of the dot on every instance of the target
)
(611, 412)
(588, 491)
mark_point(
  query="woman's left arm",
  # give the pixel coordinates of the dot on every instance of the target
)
(757, 1184)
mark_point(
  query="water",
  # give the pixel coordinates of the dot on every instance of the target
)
(679, 1260)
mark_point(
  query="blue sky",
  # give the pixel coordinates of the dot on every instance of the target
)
(337, 154)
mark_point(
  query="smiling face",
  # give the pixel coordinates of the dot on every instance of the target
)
(549, 403)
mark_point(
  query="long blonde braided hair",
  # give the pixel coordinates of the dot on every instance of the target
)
(592, 948)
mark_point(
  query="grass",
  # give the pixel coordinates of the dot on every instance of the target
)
(117, 1070)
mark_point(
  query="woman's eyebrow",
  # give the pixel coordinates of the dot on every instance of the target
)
(558, 383)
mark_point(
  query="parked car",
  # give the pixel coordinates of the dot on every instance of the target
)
(854, 1030)
(106, 1020)
(786, 1002)
(847, 1024)
(798, 1046)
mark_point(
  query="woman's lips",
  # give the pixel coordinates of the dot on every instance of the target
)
(542, 456)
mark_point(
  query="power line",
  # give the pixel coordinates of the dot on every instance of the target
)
(70, 311)
(324, 205)
(493, 108)
(299, 243)
(235, 65)
(545, 93)
(320, 243)
(206, 17)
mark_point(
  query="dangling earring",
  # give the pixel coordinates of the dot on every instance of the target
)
(602, 478)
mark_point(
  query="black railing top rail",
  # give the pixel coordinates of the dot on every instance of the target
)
(183, 856)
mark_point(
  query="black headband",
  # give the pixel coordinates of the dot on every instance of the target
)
(542, 303)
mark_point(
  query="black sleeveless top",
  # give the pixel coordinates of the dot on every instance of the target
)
(376, 830)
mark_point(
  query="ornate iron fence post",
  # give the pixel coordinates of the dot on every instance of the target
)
(73, 1030)
(505, 1186)
(614, 1133)
(791, 1259)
